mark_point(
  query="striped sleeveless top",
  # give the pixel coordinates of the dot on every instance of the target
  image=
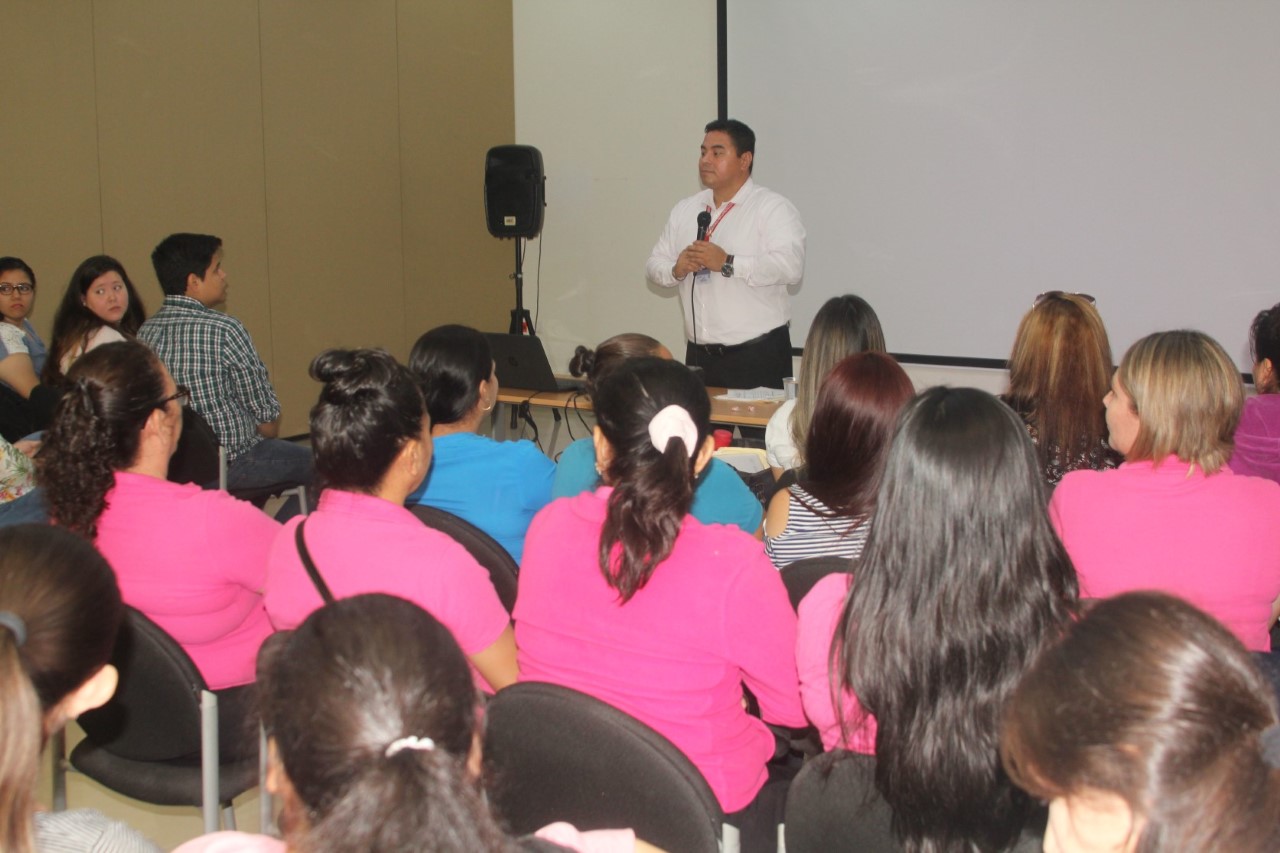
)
(811, 534)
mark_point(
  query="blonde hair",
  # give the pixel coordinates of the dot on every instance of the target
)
(1059, 371)
(1187, 395)
(844, 326)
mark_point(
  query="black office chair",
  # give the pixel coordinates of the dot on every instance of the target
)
(553, 754)
(157, 739)
(195, 460)
(833, 807)
(483, 547)
(200, 459)
(801, 576)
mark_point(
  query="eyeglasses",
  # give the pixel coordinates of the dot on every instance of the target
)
(7, 289)
(1054, 294)
(183, 396)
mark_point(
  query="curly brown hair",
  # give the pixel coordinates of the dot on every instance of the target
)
(110, 393)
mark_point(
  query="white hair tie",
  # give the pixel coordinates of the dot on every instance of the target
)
(673, 422)
(423, 744)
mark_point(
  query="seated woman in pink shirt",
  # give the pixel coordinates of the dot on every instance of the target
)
(1174, 517)
(961, 584)
(625, 596)
(194, 561)
(1257, 439)
(371, 437)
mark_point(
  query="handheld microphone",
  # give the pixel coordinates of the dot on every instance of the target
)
(704, 219)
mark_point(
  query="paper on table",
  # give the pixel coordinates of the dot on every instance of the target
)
(760, 393)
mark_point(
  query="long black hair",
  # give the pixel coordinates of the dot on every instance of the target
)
(961, 584)
(652, 488)
(74, 323)
(341, 697)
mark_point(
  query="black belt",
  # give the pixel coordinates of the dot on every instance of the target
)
(725, 349)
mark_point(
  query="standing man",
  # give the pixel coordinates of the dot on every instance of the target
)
(733, 282)
(212, 354)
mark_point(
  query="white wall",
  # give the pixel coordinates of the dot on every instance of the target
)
(951, 160)
(615, 95)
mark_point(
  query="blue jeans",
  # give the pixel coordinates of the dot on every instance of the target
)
(28, 509)
(271, 462)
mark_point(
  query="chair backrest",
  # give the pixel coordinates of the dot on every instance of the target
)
(486, 550)
(833, 806)
(552, 754)
(155, 713)
(799, 577)
(195, 460)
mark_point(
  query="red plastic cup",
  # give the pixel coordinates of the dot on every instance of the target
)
(722, 438)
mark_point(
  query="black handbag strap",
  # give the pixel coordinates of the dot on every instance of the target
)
(310, 566)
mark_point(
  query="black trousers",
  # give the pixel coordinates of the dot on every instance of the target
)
(765, 360)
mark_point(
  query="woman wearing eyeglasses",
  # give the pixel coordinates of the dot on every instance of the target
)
(192, 560)
(25, 406)
(1059, 370)
(100, 306)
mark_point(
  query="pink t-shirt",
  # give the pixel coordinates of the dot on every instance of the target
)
(1257, 439)
(194, 561)
(1213, 540)
(361, 543)
(713, 615)
(818, 617)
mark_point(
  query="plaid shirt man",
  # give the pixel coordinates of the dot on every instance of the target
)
(213, 355)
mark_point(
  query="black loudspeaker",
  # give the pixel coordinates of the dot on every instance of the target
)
(514, 191)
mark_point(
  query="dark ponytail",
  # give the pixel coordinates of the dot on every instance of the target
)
(96, 430)
(652, 489)
(61, 611)
(371, 705)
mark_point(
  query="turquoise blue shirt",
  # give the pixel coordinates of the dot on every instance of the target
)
(498, 486)
(720, 498)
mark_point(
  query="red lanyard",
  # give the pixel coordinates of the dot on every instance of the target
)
(728, 207)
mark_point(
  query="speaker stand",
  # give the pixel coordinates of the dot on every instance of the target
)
(521, 322)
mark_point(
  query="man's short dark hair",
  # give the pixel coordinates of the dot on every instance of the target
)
(743, 137)
(181, 255)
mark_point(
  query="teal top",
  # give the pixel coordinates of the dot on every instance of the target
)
(721, 496)
(498, 486)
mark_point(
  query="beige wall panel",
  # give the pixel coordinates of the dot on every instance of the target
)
(181, 141)
(457, 100)
(333, 182)
(48, 143)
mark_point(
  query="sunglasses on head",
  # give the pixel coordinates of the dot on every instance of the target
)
(1053, 294)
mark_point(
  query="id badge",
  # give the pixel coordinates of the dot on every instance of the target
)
(702, 276)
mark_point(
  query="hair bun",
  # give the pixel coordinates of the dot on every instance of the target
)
(583, 362)
(333, 365)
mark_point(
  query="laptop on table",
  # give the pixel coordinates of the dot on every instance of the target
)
(521, 362)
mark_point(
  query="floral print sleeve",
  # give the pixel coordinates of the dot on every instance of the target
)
(16, 474)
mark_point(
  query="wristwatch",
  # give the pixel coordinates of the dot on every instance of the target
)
(727, 269)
